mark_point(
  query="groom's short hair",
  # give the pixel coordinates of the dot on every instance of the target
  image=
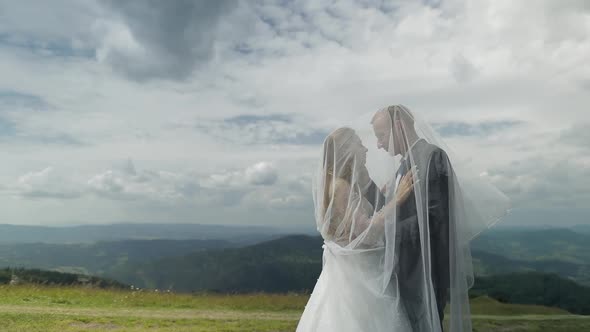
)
(395, 110)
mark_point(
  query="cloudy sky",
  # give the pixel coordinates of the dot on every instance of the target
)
(214, 112)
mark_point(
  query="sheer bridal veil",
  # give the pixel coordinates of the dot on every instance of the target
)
(390, 183)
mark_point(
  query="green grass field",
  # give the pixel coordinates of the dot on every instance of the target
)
(50, 309)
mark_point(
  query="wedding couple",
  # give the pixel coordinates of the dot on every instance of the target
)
(395, 256)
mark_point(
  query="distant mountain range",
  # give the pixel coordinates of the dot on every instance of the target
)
(546, 244)
(486, 264)
(561, 251)
(225, 269)
(100, 258)
(10, 234)
(502, 250)
(251, 259)
(293, 263)
(581, 228)
(246, 234)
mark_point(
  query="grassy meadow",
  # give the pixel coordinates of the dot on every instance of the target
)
(49, 309)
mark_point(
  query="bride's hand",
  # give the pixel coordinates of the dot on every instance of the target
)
(404, 189)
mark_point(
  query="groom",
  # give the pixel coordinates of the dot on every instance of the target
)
(413, 264)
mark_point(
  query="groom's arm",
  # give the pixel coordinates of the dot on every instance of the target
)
(438, 216)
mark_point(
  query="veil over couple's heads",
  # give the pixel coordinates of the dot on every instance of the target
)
(397, 224)
(346, 149)
(396, 130)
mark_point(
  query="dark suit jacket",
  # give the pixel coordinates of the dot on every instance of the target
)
(410, 267)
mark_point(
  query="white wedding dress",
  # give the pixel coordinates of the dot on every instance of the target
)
(348, 297)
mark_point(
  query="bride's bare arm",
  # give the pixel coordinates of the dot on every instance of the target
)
(352, 209)
(340, 196)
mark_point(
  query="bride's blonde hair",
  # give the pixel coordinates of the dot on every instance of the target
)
(338, 141)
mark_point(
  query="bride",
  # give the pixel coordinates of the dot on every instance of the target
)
(348, 295)
(395, 257)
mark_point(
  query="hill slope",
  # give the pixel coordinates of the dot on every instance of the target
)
(98, 258)
(40, 277)
(292, 263)
(535, 288)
